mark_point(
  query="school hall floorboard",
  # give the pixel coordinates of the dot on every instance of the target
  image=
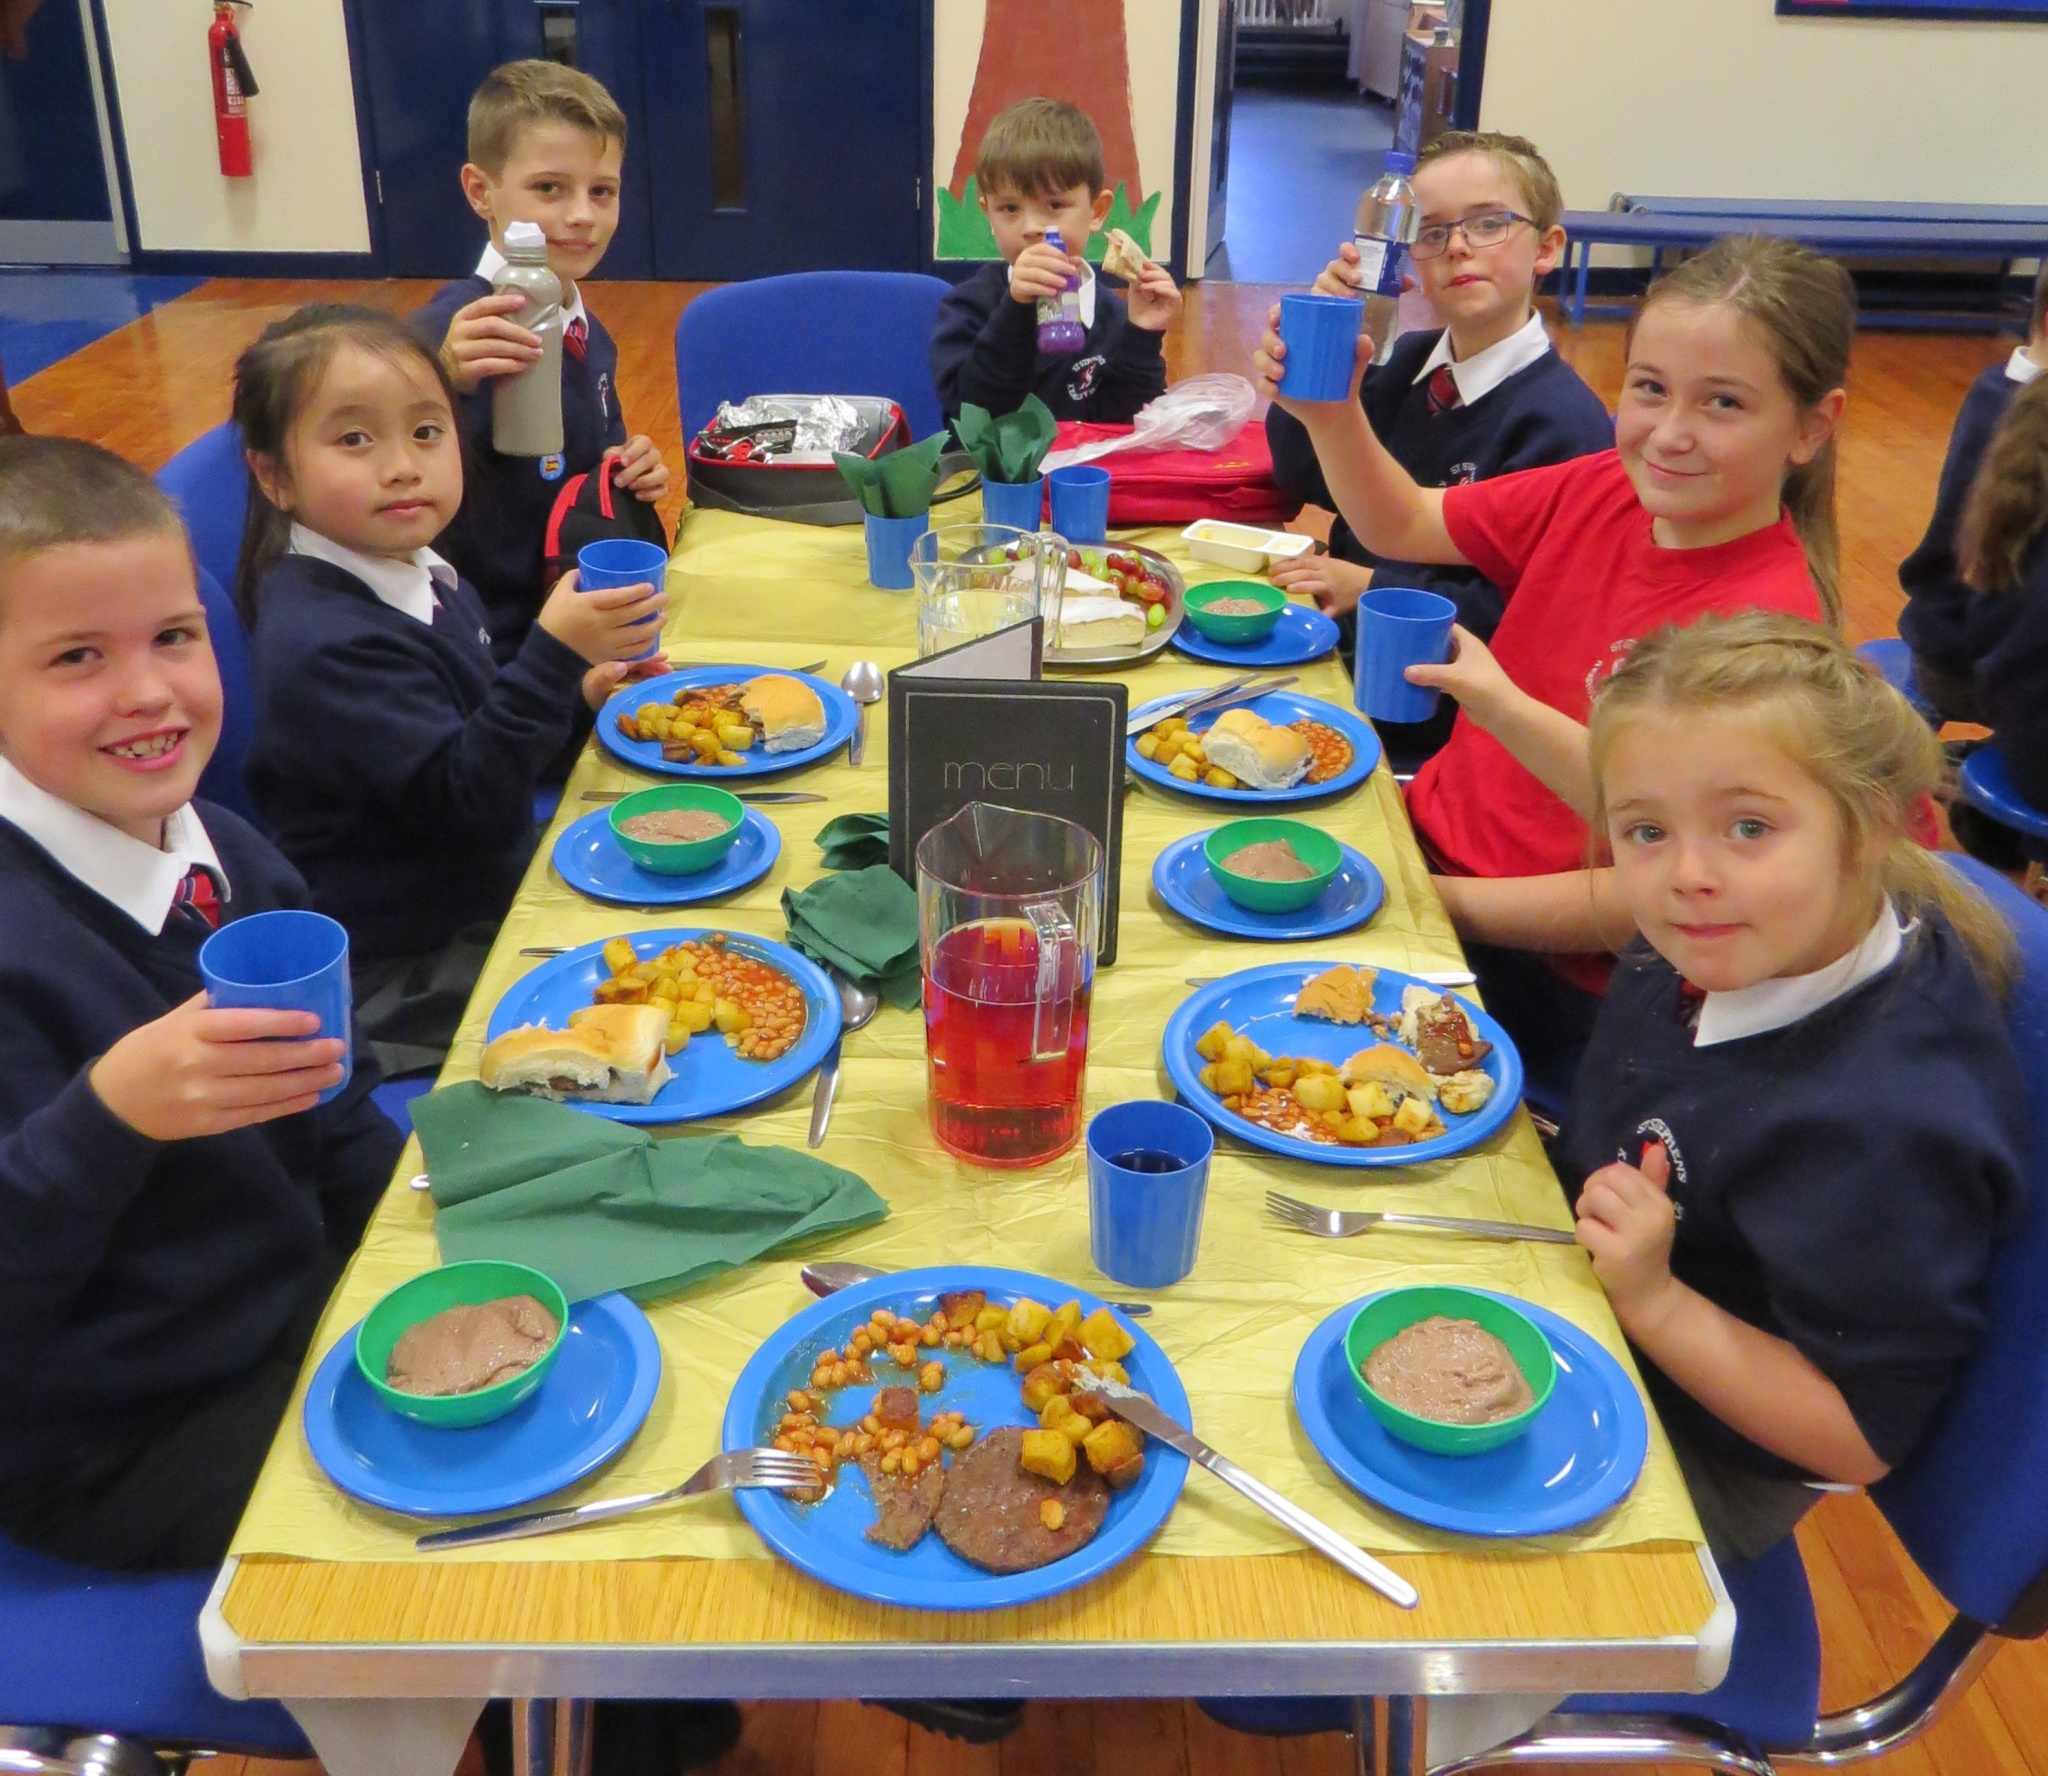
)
(152, 386)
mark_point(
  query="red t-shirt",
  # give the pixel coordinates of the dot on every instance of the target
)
(1570, 545)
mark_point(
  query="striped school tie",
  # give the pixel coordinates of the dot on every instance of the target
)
(199, 897)
(1442, 390)
(576, 337)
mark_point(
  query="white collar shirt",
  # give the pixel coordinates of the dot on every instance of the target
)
(492, 262)
(406, 586)
(1776, 1004)
(1484, 371)
(2021, 368)
(142, 880)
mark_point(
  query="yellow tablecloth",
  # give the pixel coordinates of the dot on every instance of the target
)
(740, 590)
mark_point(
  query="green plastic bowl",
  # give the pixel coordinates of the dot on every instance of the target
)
(456, 1285)
(1381, 1318)
(1311, 844)
(678, 860)
(1234, 631)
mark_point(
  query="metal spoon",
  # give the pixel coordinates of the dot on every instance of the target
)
(865, 684)
(858, 1002)
(829, 1279)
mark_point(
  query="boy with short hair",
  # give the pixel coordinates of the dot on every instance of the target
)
(545, 146)
(174, 1208)
(1484, 396)
(1935, 622)
(1039, 170)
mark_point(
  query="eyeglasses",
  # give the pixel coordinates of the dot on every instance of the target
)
(1488, 230)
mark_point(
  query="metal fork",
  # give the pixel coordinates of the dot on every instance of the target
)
(1343, 1223)
(722, 1473)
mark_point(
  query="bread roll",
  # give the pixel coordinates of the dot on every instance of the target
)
(1339, 995)
(785, 709)
(634, 1037)
(1395, 1068)
(1255, 752)
(1122, 257)
(610, 1054)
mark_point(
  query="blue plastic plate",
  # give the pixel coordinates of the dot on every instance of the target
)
(709, 1079)
(1279, 708)
(1260, 1003)
(827, 1540)
(1185, 882)
(840, 717)
(1577, 1459)
(593, 1401)
(592, 862)
(1301, 635)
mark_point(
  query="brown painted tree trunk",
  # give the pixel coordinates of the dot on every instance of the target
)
(1056, 49)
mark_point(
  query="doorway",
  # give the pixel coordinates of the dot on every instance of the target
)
(60, 200)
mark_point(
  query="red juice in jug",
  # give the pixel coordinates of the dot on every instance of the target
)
(992, 1102)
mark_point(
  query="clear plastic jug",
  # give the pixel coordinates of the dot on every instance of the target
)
(1009, 909)
(973, 579)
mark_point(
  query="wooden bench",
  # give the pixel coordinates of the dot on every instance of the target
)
(1883, 233)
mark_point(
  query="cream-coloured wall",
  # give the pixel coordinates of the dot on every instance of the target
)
(1722, 98)
(1152, 33)
(307, 192)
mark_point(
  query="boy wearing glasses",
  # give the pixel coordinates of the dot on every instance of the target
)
(1486, 396)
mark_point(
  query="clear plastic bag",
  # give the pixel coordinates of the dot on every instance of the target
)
(1202, 413)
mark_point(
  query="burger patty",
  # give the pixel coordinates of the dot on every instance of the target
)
(903, 1508)
(989, 1514)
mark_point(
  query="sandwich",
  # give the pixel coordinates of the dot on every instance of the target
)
(1338, 995)
(1122, 257)
(785, 710)
(1395, 1068)
(610, 1054)
(1099, 623)
(1255, 752)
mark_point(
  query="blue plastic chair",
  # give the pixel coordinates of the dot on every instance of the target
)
(90, 1657)
(210, 482)
(1894, 662)
(1987, 787)
(394, 1097)
(1968, 1506)
(812, 333)
(221, 781)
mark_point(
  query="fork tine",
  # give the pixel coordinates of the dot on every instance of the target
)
(1294, 1214)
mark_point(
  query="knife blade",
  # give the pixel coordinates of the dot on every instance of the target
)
(1239, 690)
(780, 797)
(1185, 700)
(1435, 977)
(1142, 1411)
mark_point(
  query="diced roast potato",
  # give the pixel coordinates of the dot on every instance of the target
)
(1104, 1335)
(1031, 1357)
(1048, 1453)
(1110, 1444)
(1210, 1044)
(961, 1309)
(1028, 1321)
(1042, 1385)
(1414, 1115)
(1320, 1092)
(1123, 1478)
(1370, 1099)
(1227, 1079)
(1066, 1318)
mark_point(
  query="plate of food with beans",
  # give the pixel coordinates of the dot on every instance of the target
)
(960, 1466)
(736, 1020)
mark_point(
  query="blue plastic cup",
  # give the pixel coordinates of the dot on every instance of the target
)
(1321, 336)
(284, 961)
(623, 561)
(1080, 503)
(1148, 1174)
(889, 541)
(1398, 628)
(1018, 503)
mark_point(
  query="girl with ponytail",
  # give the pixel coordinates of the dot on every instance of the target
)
(1719, 496)
(1799, 1127)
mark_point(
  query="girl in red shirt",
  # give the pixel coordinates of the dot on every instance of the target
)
(1718, 496)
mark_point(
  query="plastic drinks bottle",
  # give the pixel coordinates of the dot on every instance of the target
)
(1387, 221)
(526, 410)
(1060, 333)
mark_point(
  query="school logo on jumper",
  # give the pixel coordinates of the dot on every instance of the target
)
(604, 393)
(1462, 474)
(1655, 1128)
(1617, 651)
(1087, 373)
(551, 468)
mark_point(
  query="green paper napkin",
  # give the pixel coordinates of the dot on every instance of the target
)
(863, 923)
(855, 841)
(1007, 447)
(899, 485)
(599, 1206)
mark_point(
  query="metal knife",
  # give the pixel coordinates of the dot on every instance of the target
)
(1435, 977)
(780, 797)
(1128, 1403)
(1239, 690)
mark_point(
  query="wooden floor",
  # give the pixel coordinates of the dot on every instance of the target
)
(161, 381)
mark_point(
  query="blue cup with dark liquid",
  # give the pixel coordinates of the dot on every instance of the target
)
(1148, 1177)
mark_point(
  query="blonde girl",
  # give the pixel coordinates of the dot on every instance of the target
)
(1799, 1127)
(1718, 496)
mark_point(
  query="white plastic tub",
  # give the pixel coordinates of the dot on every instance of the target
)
(1243, 546)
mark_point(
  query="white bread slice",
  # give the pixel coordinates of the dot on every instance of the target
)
(1255, 752)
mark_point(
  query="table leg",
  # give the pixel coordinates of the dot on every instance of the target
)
(551, 1738)
(1406, 1736)
(1364, 1737)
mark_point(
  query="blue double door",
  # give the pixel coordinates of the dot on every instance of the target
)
(764, 135)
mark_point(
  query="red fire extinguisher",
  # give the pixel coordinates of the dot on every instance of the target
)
(233, 84)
